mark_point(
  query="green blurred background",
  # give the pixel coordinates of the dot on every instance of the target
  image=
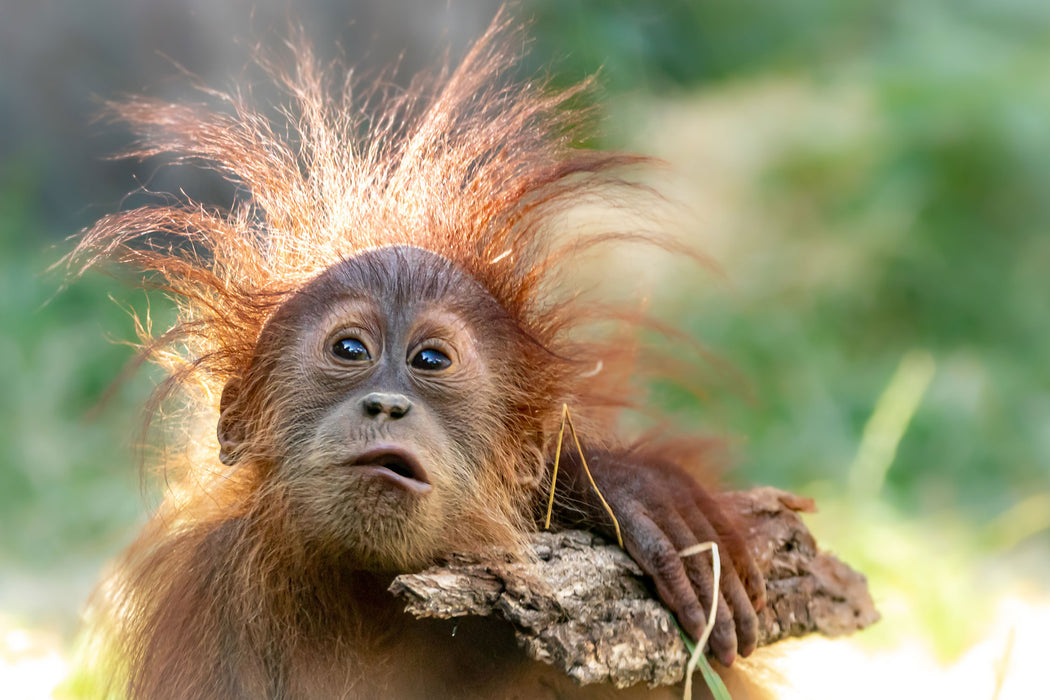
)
(873, 178)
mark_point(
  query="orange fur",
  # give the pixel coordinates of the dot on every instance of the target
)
(463, 164)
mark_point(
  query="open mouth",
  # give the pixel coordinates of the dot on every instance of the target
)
(395, 464)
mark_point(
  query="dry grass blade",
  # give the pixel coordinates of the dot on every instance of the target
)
(566, 417)
(697, 656)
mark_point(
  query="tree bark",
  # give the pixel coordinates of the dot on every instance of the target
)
(584, 606)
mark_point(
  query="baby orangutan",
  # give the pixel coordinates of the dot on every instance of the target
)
(386, 333)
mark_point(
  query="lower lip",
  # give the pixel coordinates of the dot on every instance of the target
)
(393, 477)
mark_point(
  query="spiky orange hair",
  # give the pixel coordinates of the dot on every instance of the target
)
(462, 163)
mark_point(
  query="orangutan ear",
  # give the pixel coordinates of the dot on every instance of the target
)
(231, 429)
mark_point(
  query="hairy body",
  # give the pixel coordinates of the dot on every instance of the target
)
(391, 360)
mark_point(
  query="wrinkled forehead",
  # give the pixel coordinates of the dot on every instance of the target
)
(398, 279)
(398, 275)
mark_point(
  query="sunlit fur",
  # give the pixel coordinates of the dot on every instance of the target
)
(464, 164)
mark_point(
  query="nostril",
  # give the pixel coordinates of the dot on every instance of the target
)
(399, 405)
(372, 405)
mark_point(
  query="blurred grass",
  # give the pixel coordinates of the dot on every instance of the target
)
(922, 224)
(69, 489)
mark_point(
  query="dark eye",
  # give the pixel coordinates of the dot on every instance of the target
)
(431, 359)
(350, 349)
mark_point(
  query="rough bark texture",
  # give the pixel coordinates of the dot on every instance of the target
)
(584, 606)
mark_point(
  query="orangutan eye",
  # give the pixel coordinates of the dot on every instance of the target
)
(350, 349)
(431, 359)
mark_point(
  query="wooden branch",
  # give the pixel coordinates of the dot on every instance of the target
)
(584, 606)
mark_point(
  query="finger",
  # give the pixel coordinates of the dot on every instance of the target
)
(698, 568)
(731, 588)
(657, 556)
(753, 580)
(730, 539)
